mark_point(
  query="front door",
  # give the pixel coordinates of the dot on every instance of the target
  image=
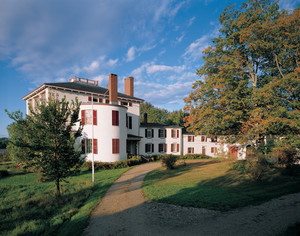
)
(233, 152)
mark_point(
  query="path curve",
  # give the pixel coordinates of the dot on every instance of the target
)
(124, 211)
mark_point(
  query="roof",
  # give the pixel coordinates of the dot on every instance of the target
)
(159, 125)
(80, 87)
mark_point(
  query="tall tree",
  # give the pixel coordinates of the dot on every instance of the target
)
(48, 136)
(154, 114)
(249, 84)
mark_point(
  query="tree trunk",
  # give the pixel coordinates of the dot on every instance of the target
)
(58, 194)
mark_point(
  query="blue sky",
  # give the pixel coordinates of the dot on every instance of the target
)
(158, 42)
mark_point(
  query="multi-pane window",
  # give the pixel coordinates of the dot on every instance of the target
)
(173, 133)
(190, 150)
(161, 147)
(149, 133)
(190, 138)
(214, 139)
(89, 117)
(149, 147)
(161, 133)
(203, 139)
(89, 146)
(174, 147)
(203, 150)
(214, 150)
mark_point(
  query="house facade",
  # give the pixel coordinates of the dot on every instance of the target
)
(111, 123)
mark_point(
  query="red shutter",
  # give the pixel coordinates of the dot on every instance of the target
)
(193, 150)
(165, 147)
(95, 117)
(193, 138)
(165, 133)
(90, 99)
(100, 100)
(177, 147)
(115, 118)
(107, 101)
(130, 104)
(82, 117)
(177, 133)
(115, 146)
(95, 146)
(172, 147)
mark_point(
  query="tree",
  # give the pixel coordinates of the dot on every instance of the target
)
(154, 114)
(176, 118)
(249, 85)
(47, 137)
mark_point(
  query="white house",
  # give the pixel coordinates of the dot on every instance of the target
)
(111, 123)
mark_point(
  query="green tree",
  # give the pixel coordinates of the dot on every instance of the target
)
(249, 85)
(154, 114)
(47, 136)
(176, 118)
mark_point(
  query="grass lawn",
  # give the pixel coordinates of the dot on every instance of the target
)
(29, 207)
(213, 185)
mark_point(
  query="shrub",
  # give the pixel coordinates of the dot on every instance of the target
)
(194, 156)
(3, 173)
(169, 160)
(120, 164)
(239, 165)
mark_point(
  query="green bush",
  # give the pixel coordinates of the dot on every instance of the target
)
(194, 156)
(169, 160)
(240, 166)
(3, 173)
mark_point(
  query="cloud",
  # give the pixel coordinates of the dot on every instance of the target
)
(179, 39)
(131, 54)
(42, 38)
(194, 51)
(162, 68)
(288, 4)
(191, 21)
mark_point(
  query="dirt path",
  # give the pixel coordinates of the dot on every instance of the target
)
(124, 211)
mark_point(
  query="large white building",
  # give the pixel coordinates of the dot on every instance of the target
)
(111, 123)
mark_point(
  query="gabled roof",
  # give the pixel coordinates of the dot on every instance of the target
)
(159, 125)
(81, 87)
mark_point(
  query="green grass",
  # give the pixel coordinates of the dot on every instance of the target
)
(29, 207)
(213, 185)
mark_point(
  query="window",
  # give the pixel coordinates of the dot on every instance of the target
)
(149, 147)
(161, 147)
(173, 132)
(100, 100)
(124, 103)
(115, 146)
(203, 139)
(115, 118)
(87, 145)
(130, 122)
(107, 101)
(161, 133)
(214, 150)
(191, 138)
(149, 133)
(190, 150)
(89, 117)
(178, 133)
(214, 139)
(174, 147)
(90, 99)
(130, 104)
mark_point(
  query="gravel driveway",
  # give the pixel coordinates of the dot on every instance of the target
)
(124, 211)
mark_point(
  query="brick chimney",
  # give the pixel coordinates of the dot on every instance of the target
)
(113, 89)
(128, 82)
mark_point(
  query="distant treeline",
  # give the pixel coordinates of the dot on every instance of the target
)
(3, 143)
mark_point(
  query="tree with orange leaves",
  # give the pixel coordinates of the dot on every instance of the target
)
(250, 86)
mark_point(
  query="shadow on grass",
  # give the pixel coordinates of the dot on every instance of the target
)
(225, 192)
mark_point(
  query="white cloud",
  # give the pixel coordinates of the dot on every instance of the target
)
(191, 20)
(288, 4)
(130, 54)
(179, 39)
(160, 68)
(92, 67)
(102, 79)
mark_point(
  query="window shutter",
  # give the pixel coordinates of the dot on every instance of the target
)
(152, 130)
(100, 100)
(130, 122)
(83, 117)
(95, 146)
(83, 145)
(90, 99)
(115, 146)
(193, 150)
(107, 101)
(165, 133)
(193, 138)
(95, 117)
(115, 118)
(152, 147)
(165, 147)
(130, 104)
(146, 133)
(177, 147)
(178, 133)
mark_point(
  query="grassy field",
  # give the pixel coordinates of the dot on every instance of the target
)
(29, 207)
(212, 184)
